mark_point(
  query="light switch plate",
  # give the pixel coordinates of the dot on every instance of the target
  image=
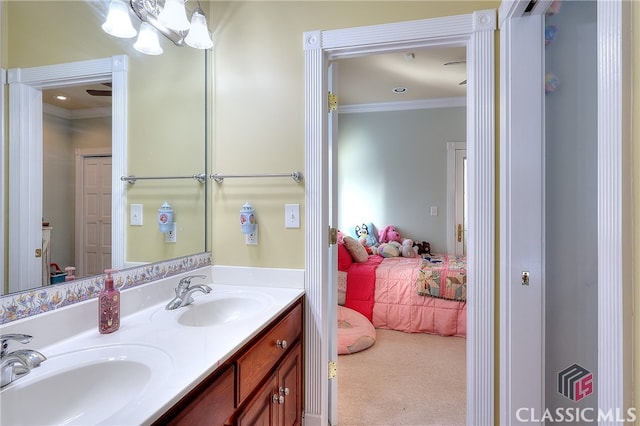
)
(292, 215)
(434, 211)
(135, 211)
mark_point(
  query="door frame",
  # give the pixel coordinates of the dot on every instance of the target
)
(475, 31)
(614, 379)
(25, 186)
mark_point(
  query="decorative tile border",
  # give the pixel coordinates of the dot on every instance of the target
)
(44, 299)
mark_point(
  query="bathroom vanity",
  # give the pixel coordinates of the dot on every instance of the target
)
(260, 384)
(233, 356)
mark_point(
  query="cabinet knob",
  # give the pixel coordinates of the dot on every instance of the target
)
(278, 399)
(284, 391)
(281, 344)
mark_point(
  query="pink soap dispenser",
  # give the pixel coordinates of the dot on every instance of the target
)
(108, 306)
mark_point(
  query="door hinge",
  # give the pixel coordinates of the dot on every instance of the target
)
(333, 102)
(333, 236)
(333, 369)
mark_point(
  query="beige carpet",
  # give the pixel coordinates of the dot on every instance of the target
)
(404, 379)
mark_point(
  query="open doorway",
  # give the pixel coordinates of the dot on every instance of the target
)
(476, 32)
(77, 181)
(393, 168)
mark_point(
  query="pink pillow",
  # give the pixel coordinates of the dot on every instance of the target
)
(344, 258)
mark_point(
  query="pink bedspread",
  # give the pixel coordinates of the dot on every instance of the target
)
(399, 307)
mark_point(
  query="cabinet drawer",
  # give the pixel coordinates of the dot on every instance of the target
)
(256, 363)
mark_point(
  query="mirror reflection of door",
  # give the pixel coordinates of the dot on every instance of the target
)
(77, 177)
(93, 219)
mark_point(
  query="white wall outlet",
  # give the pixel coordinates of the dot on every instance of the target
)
(434, 211)
(135, 211)
(252, 238)
(292, 215)
(170, 237)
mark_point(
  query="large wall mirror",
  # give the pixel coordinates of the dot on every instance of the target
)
(130, 114)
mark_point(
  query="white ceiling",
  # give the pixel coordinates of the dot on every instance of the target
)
(77, 97)
(372, 78)
(362, 80)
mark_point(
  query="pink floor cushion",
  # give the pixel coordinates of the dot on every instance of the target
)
(355, 331)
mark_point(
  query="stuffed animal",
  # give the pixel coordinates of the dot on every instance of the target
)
(390, 249)
(389, 233)
(365, 236)
(407, 248)
(423, 247)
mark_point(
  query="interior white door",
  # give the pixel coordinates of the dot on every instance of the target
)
(96, 216)
(333, 252)
(521, 218)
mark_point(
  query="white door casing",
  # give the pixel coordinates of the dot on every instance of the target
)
(521, 171)
(476, 32)
(25, 114)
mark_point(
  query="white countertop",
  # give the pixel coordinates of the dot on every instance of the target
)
(192, 352)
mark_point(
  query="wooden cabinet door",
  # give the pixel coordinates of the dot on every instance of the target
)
(290, 386)
(212, 406)
(261, 411)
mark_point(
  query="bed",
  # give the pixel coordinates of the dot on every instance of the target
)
(424, 294)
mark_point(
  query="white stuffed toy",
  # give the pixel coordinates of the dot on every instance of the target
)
(407, 248)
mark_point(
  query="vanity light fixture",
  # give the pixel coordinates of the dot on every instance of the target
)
(168, 17)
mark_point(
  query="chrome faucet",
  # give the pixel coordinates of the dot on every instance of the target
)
(16, 364)
(184, 292)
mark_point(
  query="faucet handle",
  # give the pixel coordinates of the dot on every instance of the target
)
(186, 281)
(5, 338)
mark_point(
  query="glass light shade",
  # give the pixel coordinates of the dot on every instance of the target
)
(174, 15)
(198, 36)
(148, 42)
(118, 23)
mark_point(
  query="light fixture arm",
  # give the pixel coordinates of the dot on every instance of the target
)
(148, 11)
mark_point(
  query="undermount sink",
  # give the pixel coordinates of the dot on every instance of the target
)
(218, 308)
(222, 310)
(84, 387)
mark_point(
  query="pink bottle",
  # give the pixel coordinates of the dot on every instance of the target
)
(108, 306)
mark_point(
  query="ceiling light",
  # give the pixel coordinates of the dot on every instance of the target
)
(167, 17)
(61, 97)
(400, 89)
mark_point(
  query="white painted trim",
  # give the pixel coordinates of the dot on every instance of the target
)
(21, 138)
(3, 147)
(614, 207)
(451, 193)
(476, 32)
(405, 105)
